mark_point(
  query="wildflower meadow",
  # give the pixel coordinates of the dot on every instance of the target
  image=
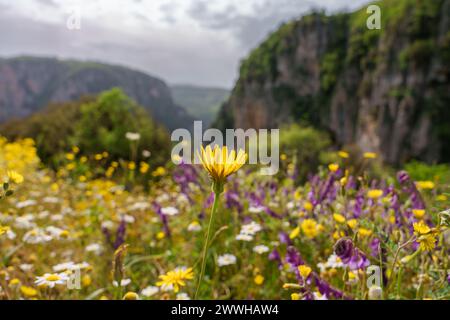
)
(219, 230)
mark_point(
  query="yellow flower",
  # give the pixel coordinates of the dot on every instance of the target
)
(28, 291)
(144, 167)
(3, 229)
(86, 280)
(160, 235)
(131, 165)
(259, 280)
(425, 236)
(333, 167)
(219, 163)
(295, 296)
(70, 166)
(304, 271)
(15, 177)
(441, 197)
(14, 282)
(343, 154)
(392, 219)
(418, 213)
(176, 278)
(160, 171)
(352, 223)
(70, 156)
(421, 228)
(294, 233)
(309, 228)
(98, 157)
(283, 156)
(75, 149)
(308, 206)
(425, 184)
(374, 193)
(339, 218)
(369, 155)
(364, 232)
(131, 296)
(82, 178)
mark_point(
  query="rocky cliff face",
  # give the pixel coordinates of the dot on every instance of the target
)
(28, 84)
(384, 90)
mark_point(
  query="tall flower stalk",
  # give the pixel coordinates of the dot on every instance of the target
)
(219, 163)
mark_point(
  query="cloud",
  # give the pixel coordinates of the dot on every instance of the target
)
(50, 3)
(181, 41)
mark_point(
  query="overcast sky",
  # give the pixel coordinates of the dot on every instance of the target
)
(181, 41)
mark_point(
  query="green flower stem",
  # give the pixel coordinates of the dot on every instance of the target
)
(206, 245)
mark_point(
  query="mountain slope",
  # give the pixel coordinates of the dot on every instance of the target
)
(203, 103)
(384, 90)
(27, 84)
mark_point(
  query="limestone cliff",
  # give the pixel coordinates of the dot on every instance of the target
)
(384, 90)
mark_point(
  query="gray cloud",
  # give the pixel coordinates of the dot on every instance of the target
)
(50, 3)
(188, 59)
(208, 55)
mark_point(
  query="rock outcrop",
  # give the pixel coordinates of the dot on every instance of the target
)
(383, 90)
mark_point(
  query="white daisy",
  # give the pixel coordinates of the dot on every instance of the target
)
(261, 249)
(123, 283)
(36, 236)
(256, 209)
(251, 228)
(244, 237)
(226, 259)
(95, 248)
(183, 296)
(194, 226)
(51, 279)
(133, 136)
(169, 211)
(149, 291)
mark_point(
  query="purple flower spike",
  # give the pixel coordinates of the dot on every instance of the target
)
(344, 249)
(403, 177)
(350, 255)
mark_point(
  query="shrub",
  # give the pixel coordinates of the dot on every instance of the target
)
(105, 122)
(306, 144)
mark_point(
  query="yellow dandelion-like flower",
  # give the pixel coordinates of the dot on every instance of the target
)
(339, 218)
(304, 271)
(3, 229)
(309, 228)
(418, 213)
(308, 206)
(374, 193)
(421, 228)
(425, 184)
(28, 291)
(219, 163)
(369, 155)
(294, 233)
(352, 223)
(425, 236)
(333, 167)
(259, 279)
(364, 232)
(15, 177)
(343, 154)
(176, 278)
(296, 296)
